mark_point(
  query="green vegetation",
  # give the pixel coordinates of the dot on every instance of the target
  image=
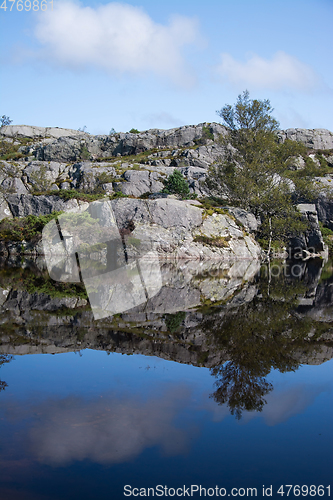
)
(219, 241)
(4, 358)
(40, 180)
(119, 194)
(173, 321)
(5, 120)
(25, 228)
(84, 154)
(9, 149)
(253, 173)
(177, 184)
(134, 131)
(327, 237)
(71, 194)
(24, 279)
(264, 334)
(206, 135)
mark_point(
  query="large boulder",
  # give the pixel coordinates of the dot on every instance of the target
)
(324, 200)
(40, 172)
(181, 229)
(311, 242)
(27, 204)
(39, 132)
(246, 219)
(139, 182)
(14, 185)
(88, 177)
(317, 138)
(5, 212)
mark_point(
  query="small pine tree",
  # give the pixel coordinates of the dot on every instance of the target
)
(177, 184)
(5, 120)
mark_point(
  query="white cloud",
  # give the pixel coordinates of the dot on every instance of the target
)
(281, 72)
(118, 38)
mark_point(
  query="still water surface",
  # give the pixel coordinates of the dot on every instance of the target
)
(234, 393)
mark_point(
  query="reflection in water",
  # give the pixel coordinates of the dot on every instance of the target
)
(265, 333)
(107, 430)
(83, 427)
(127, 421)
(239, 388)
(4, 358)
(230, 317)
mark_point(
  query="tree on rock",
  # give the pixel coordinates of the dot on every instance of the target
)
(252, 174)
(177, 184)
(5, 120)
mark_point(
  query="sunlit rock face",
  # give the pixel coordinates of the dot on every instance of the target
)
(173, 228)
(133, 164)
(312, 138)
(118, 246)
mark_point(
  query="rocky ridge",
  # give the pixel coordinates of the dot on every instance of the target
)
(130, 164)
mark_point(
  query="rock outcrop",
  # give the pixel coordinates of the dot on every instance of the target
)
(311, 242)
(16, 131)
(136, 165)
(131, 163)
(324, 201)
(176, 229)
(317, 138)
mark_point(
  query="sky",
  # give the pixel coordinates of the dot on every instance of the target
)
(162, 64)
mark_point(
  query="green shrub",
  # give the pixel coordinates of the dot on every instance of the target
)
(84, 155)
(145, 196)
(173, 321)
(177, 184)
(206, 135)
(24, 279)
(40, 181)
(134, 131)
(219, 242)
(70, 194)
(25, 228)
(9, 150)
(118, 194)
(325, 231)
(327, 237)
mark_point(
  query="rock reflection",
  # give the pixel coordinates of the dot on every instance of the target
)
(234, 318)
(265, 333)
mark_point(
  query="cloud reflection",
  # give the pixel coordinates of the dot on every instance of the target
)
(283, 403)
(107, 430)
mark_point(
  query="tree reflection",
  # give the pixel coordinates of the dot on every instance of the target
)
(239, 389)
(4, 358)
(265, 334)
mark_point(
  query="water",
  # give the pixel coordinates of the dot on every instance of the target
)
(218, 381)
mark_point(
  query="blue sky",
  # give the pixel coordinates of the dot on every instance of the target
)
(157, 64)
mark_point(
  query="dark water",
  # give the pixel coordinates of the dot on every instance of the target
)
(221, 380)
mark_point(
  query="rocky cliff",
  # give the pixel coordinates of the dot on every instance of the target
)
(136, 165)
